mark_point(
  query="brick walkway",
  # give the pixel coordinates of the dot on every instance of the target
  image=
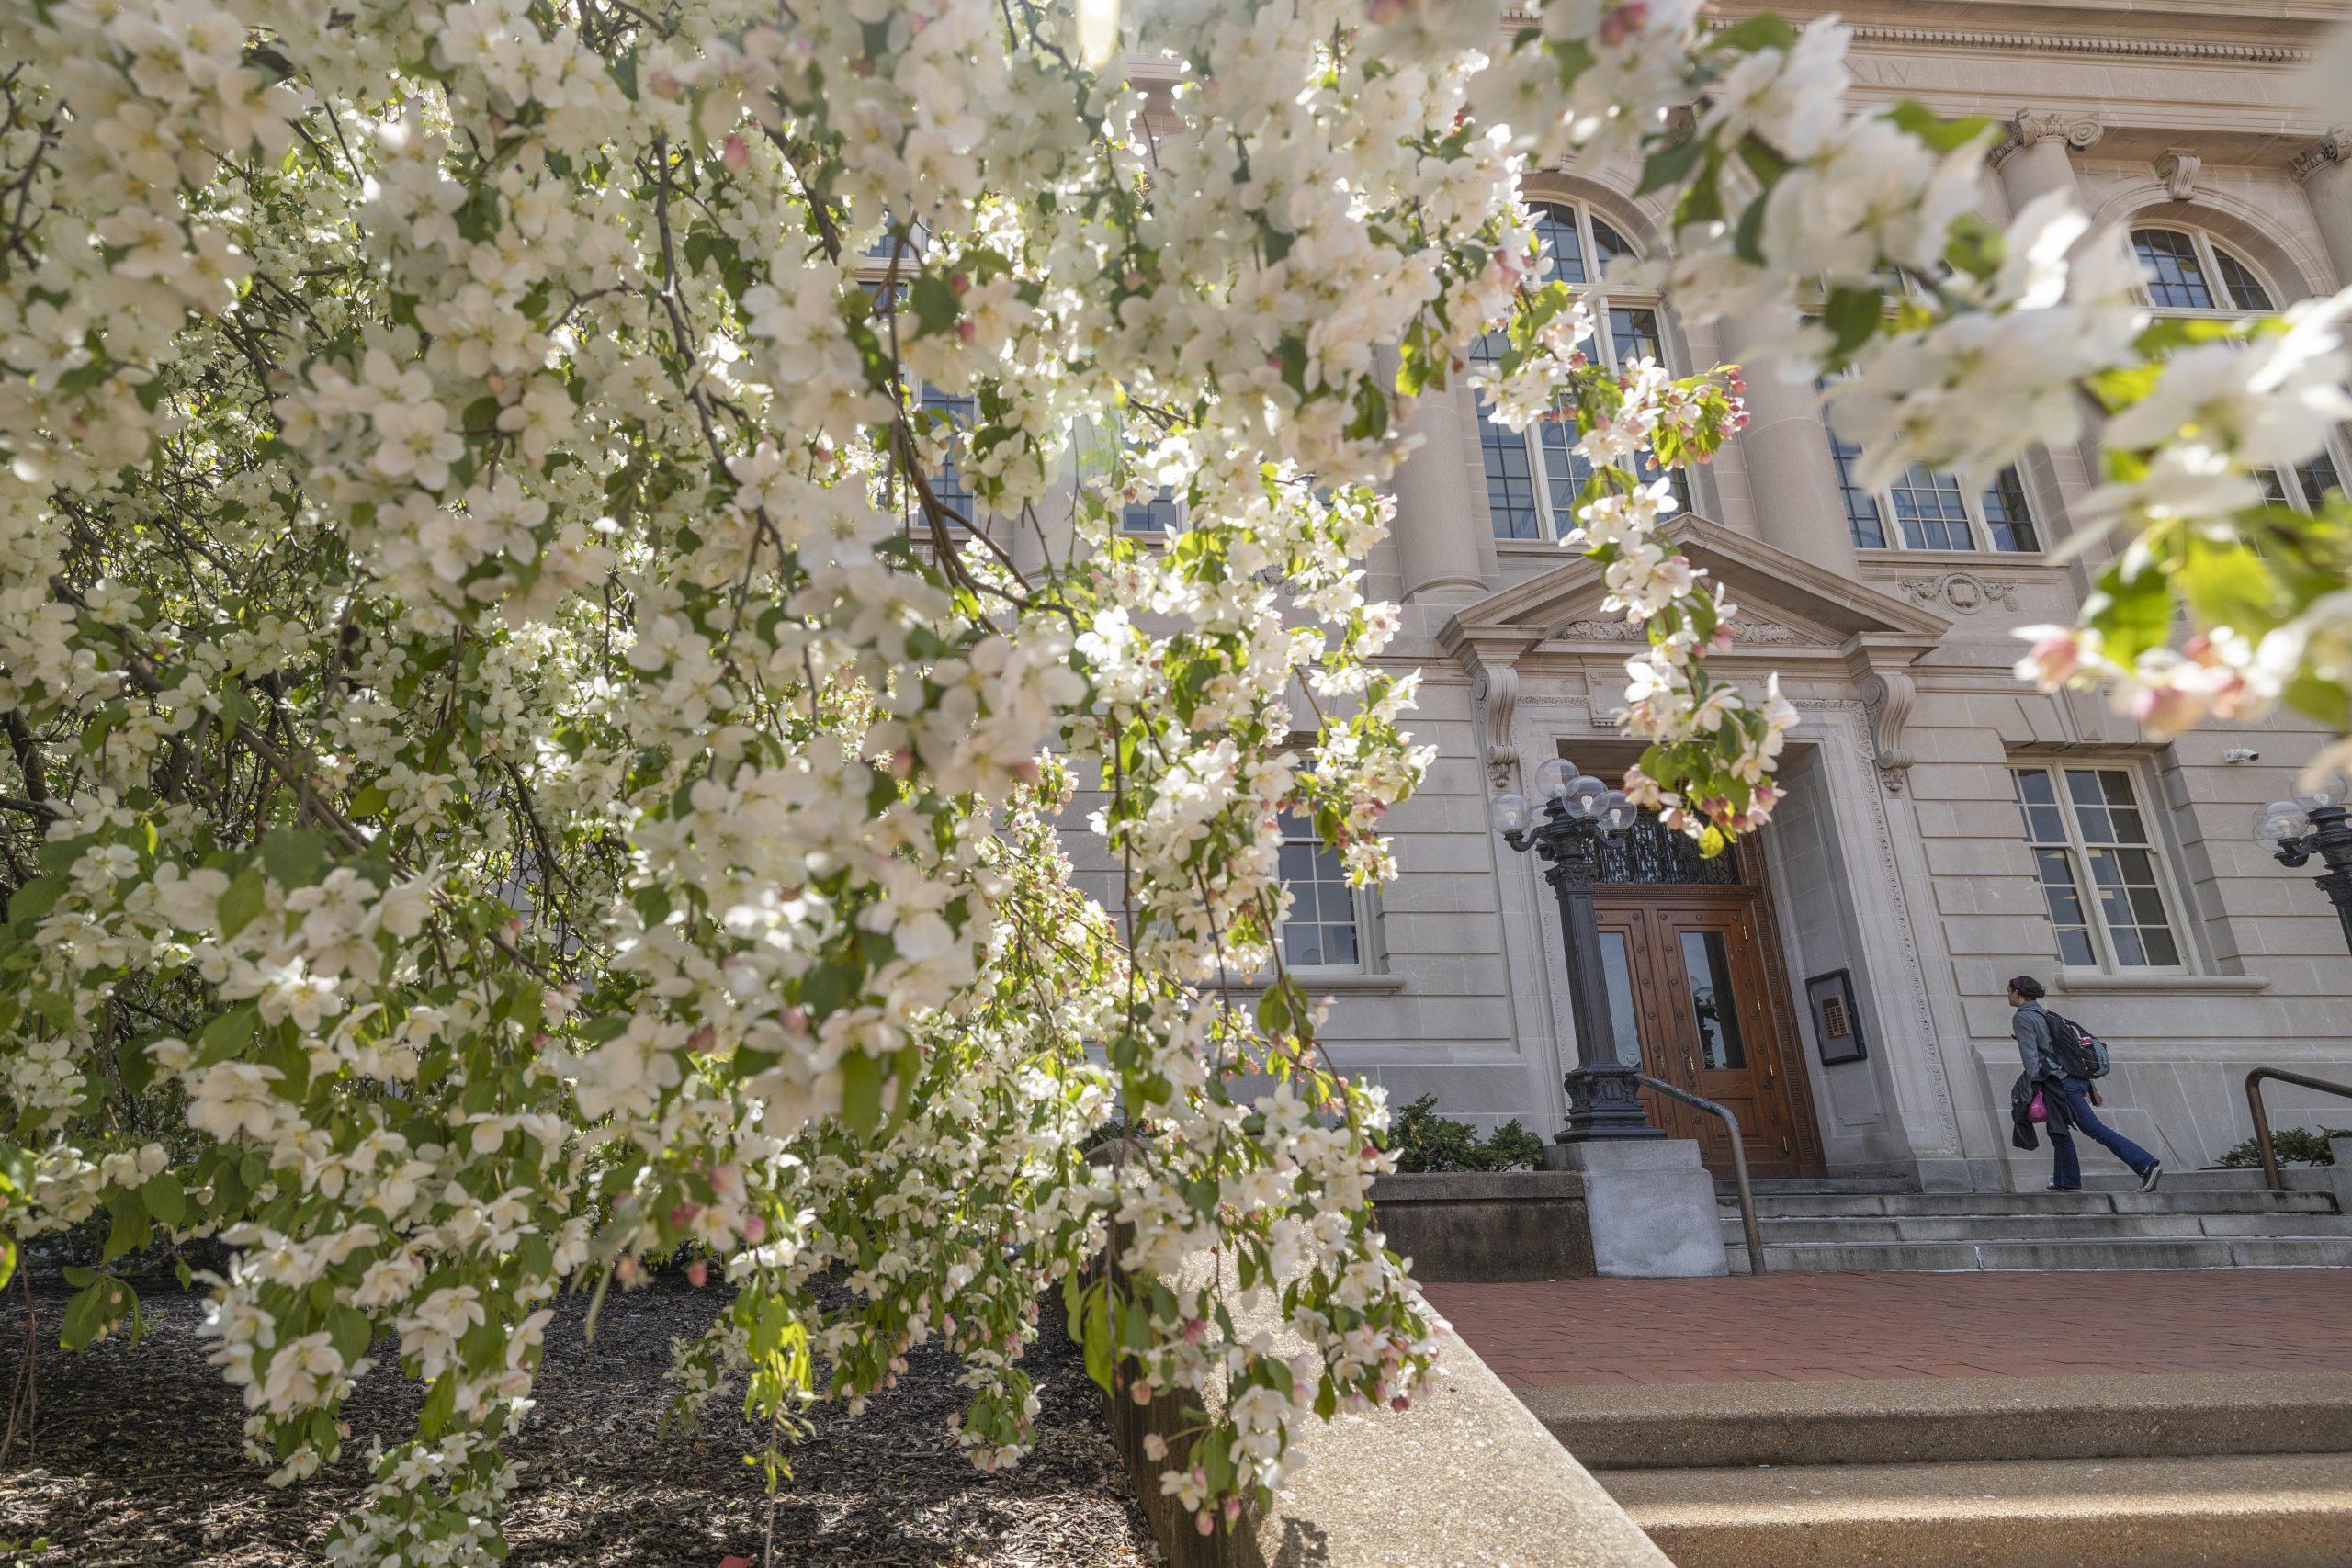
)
(1814, 1326)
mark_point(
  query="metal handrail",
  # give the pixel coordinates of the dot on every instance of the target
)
(2262, 1117)
(1739, 1164)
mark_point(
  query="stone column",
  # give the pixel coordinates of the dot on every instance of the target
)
(1790, 474)
(1436, 528)
(2032, 159)
(2325, 169)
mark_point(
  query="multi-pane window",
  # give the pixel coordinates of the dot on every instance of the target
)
(946, 416)
(1323, 929)
(1931, 511)
(2187, 274)
(2102, 882)
(1534, 476)
(2183, 269)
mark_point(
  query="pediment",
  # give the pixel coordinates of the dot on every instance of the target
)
(1784, 603)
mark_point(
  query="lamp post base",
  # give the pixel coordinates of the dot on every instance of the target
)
(1605, 1104)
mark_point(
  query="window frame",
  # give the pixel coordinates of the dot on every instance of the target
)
(2077, 848)
(1842, 457)
(1602, 298)
(1361, 910)
(2289, 487)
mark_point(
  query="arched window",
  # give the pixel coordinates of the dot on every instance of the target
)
(1533, 476)
(2189, 275)
(2188, 272)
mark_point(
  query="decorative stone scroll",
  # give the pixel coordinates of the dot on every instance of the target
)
(1887, 696)
(1962, 590)
(2177, 168)
(2336, 147)
(1496, 690)
(2029, 129)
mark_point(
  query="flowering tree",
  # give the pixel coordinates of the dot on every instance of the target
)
(559, 568)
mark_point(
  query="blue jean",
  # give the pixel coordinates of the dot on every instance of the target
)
(2067, 1170)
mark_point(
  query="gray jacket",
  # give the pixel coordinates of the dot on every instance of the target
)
(2031, 1026)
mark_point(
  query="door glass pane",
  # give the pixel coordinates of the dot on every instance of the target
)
(1714, 1004)
(1621, 1024)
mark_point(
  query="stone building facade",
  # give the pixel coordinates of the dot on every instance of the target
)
(1946, 826)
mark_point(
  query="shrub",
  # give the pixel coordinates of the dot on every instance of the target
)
(1424, 1141)
(2296, 1145)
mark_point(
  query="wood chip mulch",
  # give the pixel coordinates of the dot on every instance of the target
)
(140, 1463)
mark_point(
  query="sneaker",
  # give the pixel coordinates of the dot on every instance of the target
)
(2155, 1174)
(2054, 1186)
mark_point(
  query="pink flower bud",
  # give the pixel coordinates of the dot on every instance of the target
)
(735, 154)
(754, 1229)
(699, 1273)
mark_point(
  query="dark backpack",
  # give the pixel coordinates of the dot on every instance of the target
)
(2076, 1053)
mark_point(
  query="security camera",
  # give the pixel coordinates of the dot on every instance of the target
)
(2241, 754)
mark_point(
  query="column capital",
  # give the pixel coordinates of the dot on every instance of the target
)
(2336, 147)
(2030, 129)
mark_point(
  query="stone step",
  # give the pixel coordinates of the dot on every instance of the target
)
(2164, 1201)
(1960, 1256)
(1848, 1184)
(1779, 1231)
(1922, 1420)
(2237, 1511)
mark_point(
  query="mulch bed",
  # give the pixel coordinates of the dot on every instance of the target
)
(140, 1459)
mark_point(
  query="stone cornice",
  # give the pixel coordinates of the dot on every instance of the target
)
(2145, 48)
(2063, 43)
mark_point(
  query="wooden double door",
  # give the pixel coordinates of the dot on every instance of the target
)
(1697, 997)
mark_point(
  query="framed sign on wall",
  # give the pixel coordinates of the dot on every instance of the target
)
(1836, 1023)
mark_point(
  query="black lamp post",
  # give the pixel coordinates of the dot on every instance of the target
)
(1578, 812)
(2315, 824)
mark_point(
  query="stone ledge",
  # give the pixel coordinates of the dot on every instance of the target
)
(1465, 1478)
(1475, 1186)
(2088, 984)
(1487, 1226)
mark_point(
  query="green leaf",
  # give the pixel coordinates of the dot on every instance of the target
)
(85, 1315)
(936, 307)
(1851, 316)
(1922, 123)
(294, 857)
(1273, 1012)
(164, 1198)
(1672, 165)
(2131, 606)
(1764, 30)
(242, 902)
(439, 1406)
(2228, 585)
(351, 1332)
(7, 1261)
(861, 1092)
(227, 1035)
(131, 1232)
(35, 899)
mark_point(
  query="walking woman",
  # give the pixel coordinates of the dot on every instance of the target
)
(2068, 1098)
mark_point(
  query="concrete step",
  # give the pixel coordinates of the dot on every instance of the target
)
(1846, 1184)
(2237, 1511)
(1961, 1257)
(2038, 1227)
(2164, 1201)
(1938, 1420)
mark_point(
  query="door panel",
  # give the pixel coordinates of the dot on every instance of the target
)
(1706, 1019)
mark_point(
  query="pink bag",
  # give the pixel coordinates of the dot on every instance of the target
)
(2040, 1110)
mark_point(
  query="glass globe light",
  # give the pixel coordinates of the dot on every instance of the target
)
(1585, 795)
(1510, 814)
(2330, 789)
(1552, 779)
(2278, 821)
(1617, 813)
